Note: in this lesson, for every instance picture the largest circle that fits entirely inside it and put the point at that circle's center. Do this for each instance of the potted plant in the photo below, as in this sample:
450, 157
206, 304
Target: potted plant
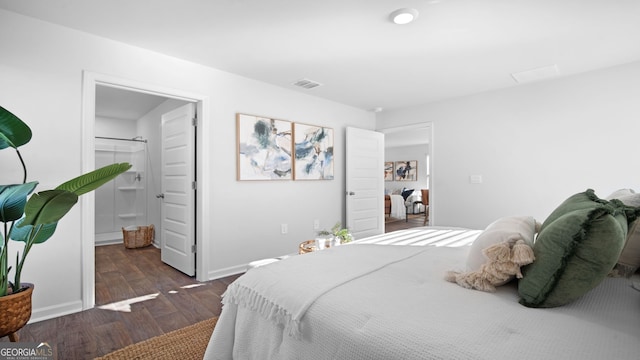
342, 236
32, 220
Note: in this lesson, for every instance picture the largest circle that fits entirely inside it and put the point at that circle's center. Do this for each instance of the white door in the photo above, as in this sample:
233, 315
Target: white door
365, 182
177, 234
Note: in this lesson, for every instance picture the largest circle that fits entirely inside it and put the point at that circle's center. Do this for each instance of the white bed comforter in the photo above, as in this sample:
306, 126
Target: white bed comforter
405, 310
284, 291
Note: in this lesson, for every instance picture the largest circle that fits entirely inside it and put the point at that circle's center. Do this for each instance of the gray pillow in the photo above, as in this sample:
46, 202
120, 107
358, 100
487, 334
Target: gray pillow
629, 261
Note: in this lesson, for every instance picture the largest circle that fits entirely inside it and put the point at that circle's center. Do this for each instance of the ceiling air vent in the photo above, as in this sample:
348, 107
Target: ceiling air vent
306, 83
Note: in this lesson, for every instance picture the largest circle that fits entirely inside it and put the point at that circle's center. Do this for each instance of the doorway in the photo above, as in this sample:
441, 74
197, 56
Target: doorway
93, 83
410, 143
126, 124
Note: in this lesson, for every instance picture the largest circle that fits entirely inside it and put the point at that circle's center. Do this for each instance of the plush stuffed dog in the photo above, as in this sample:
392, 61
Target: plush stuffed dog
504, 262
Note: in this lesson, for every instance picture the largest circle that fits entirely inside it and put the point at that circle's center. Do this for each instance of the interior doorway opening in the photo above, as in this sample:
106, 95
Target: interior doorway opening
409, 143
127, 123
128, 129
93, 84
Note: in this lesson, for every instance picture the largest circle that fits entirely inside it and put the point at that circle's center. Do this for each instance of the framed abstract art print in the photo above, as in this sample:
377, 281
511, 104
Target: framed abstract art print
388, 171
264, 148
313, 149
406, 170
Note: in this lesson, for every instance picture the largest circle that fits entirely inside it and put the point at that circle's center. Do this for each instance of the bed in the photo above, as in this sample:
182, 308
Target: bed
384, 297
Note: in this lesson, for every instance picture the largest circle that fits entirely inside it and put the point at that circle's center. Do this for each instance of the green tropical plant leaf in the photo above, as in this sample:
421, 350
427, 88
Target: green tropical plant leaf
13, 199
48, 207
13, 131
21, 232
94, 179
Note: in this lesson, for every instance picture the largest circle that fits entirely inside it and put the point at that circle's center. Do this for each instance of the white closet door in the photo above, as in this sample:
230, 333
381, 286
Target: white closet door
178, 178
365, 182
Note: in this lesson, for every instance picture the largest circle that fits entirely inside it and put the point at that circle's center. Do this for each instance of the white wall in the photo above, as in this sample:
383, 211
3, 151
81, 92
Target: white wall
413, 152
41, 70
112, 127
534, 145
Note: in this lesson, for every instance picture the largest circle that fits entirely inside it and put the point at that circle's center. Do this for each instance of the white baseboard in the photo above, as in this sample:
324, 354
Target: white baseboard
108, 238
51, 312
238, 269
233, 270
109, 242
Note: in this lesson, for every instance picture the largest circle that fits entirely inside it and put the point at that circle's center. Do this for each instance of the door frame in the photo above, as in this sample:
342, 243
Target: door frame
87, 202
430, 147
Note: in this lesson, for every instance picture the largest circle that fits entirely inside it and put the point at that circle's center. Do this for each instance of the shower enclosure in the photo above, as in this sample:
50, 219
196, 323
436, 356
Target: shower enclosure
122, 202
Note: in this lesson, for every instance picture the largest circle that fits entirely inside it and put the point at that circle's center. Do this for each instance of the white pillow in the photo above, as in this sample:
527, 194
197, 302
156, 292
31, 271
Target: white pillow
629, 261
620, 193
504, 229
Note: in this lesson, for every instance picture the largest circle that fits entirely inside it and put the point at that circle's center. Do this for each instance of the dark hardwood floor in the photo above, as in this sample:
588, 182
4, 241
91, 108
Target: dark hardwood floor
392, 224
137, 297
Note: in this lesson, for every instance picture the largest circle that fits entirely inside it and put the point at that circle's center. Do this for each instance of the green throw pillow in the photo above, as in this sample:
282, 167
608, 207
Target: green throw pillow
577, 246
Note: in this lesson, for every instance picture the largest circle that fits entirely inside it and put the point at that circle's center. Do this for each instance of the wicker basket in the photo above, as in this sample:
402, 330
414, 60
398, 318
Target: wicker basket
307, 247
16, 312
139, 236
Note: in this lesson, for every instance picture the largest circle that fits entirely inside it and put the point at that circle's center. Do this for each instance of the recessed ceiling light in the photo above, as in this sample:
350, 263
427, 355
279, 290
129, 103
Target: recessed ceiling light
403, 16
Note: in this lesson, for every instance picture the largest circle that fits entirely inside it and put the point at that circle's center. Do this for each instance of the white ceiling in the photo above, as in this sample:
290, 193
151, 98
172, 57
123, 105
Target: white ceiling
122, 104
454, 48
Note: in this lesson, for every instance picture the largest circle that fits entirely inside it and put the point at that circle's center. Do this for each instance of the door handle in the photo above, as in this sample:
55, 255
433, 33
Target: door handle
350, 193
160, 196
